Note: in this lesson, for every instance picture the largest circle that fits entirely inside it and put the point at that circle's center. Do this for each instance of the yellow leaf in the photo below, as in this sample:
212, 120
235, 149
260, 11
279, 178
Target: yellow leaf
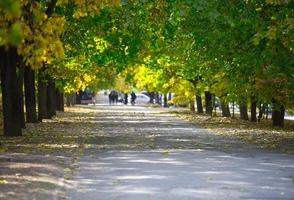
3, 181
166, 152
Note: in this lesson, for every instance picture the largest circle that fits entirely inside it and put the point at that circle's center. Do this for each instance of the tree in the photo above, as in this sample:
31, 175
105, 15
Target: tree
30, 31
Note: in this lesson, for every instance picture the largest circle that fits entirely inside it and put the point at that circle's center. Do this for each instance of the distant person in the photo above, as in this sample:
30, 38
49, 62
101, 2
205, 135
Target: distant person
115, 97
133, 98
126, 98
110, 97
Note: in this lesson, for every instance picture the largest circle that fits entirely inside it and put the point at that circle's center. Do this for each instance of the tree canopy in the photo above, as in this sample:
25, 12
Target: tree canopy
236, 50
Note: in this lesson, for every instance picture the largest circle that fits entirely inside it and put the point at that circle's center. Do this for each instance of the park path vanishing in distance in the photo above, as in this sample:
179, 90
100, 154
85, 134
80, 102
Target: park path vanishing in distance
138, 153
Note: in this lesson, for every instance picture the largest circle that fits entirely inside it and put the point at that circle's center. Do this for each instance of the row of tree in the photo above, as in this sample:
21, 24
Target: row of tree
31, 45
239, 51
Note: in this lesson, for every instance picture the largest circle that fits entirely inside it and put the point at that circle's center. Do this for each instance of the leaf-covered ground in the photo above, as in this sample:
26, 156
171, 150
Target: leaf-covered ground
137, 152
63, 134
262, 134
40, 164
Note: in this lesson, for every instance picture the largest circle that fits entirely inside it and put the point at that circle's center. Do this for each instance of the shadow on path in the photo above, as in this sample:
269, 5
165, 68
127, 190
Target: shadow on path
142, 153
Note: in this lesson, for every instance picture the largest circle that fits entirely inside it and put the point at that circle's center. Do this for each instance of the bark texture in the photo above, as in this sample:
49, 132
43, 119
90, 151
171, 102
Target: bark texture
30, 95
208, 102
10, 93
199, 104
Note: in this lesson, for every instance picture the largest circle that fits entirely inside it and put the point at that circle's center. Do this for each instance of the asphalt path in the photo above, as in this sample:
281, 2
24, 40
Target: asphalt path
140, 153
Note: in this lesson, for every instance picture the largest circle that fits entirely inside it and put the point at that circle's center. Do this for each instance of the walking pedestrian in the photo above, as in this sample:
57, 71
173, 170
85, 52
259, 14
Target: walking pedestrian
126, 98
133, 98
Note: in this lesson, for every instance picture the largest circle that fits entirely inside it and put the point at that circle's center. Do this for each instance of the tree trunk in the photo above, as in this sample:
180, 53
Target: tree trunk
243, 110
42, 96
278, 114
20, 107
30, 95
253, 109
67, 97
208, 102
10, 97
51, 98
199, 104
70, 99
225, 109
165, 100
157, 101
59, 100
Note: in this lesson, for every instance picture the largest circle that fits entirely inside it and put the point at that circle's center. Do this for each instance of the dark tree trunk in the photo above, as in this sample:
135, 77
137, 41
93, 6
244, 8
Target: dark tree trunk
157, 101
165, 100
70, 99
243, 111
10, 93
208, 102
199, 104
59, 101
30, 95
253, 109
20, 107
261, 111
225, 109
42, 96
278, 114
51, 98
67, 96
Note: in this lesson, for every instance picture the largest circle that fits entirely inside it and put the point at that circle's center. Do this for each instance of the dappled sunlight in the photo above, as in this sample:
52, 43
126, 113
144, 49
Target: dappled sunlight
27, 165
256, 170
115, 154
138, 190
165, 174
276, 165
261, 134
233, 183
32, 176
179, 140
213, 173
40, 179
139, 177
193, 192
167, 70
132, 190
158, 162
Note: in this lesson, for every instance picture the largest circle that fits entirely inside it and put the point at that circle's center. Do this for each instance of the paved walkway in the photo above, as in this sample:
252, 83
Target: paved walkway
138, 153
